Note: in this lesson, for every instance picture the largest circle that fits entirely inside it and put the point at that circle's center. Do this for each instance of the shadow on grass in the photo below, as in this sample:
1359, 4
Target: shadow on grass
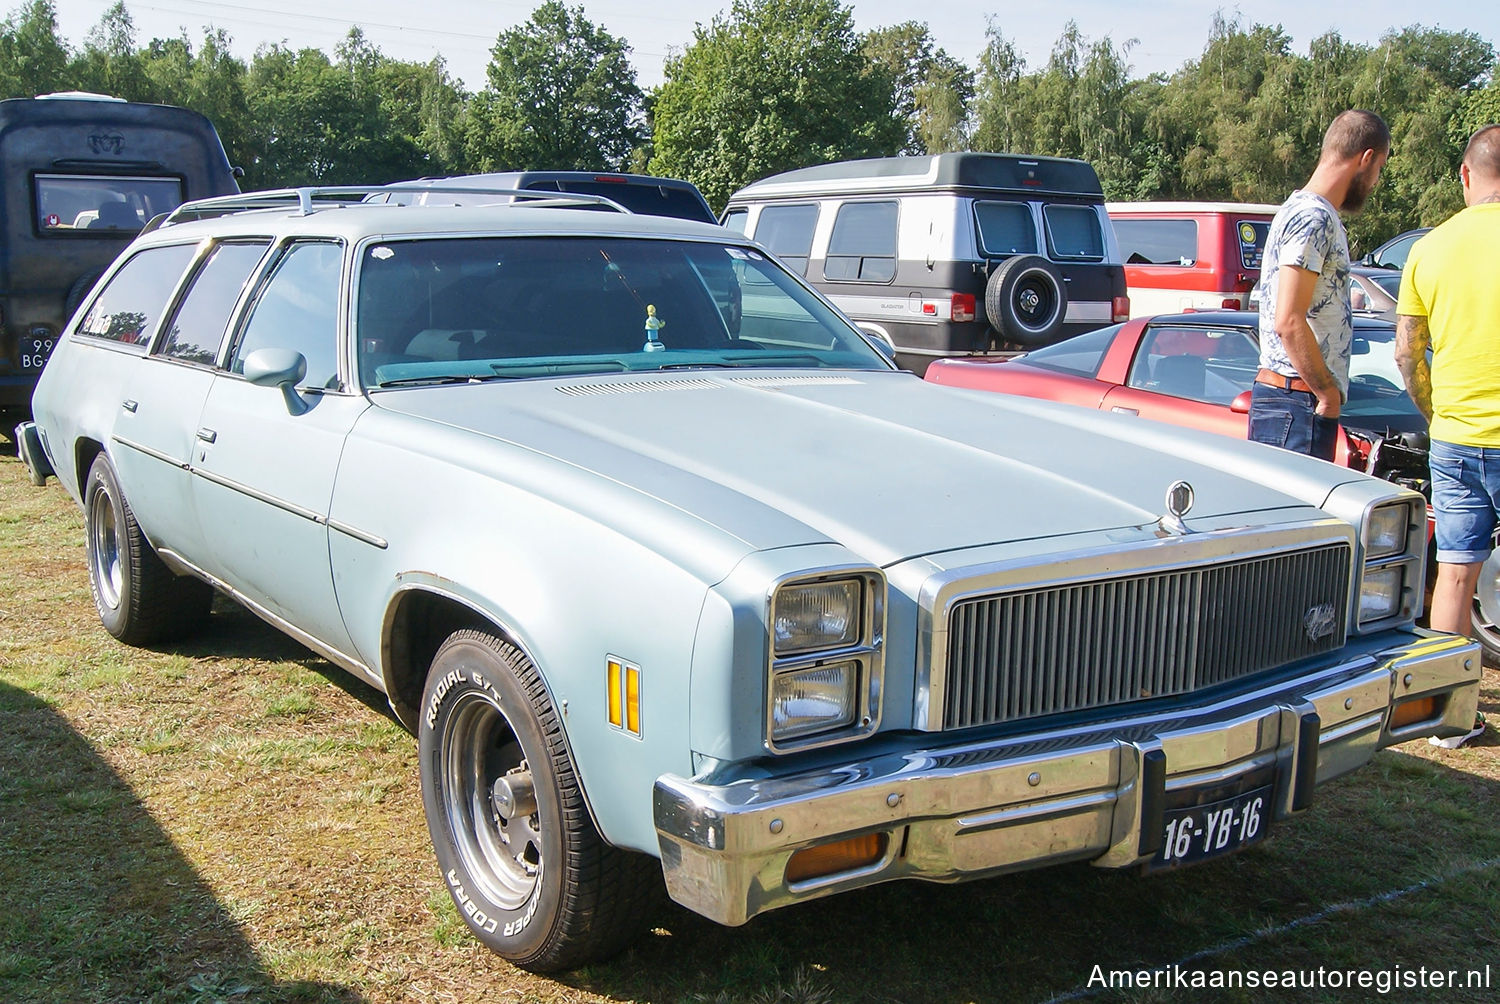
96, 903
1396, 865
233, 632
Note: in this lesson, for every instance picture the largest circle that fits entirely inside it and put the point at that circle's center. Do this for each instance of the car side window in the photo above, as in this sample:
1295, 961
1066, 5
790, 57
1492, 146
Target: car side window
1158, 242
1197, 362
196, 330
129, 307
737, 220
787, 232
297, 309
1074, 232
862, 247
1005, 228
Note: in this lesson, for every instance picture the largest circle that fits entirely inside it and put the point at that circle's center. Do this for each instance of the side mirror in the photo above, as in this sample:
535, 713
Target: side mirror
1241, 403
1359, 347
281, 368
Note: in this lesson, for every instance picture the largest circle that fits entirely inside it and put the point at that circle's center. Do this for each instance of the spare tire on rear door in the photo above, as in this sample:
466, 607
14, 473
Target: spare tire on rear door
1026, 301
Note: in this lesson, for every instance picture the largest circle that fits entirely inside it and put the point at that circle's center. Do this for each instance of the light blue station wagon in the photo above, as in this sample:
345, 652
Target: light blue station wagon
674, 574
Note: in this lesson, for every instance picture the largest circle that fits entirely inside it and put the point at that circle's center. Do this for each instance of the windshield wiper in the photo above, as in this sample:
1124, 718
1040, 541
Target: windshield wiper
443, 379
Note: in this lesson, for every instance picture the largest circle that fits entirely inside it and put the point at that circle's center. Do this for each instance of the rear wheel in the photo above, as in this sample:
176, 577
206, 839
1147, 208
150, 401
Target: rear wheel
532, 877
138, 597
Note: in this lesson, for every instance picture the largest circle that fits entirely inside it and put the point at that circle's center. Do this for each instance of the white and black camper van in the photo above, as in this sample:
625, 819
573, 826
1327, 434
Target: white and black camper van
954, 254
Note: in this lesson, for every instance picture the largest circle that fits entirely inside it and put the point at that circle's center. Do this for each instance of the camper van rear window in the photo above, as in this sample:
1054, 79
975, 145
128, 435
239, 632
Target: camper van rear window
95, 204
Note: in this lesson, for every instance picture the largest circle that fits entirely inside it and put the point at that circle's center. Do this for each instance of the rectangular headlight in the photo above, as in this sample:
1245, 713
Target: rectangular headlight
805, 701
1385, 533
810, 616
1380, 593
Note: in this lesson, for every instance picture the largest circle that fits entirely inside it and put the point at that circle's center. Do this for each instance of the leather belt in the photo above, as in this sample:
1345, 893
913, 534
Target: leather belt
1273, 379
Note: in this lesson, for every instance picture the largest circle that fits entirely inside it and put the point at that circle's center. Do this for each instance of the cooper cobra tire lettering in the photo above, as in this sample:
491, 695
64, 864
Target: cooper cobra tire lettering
467, 905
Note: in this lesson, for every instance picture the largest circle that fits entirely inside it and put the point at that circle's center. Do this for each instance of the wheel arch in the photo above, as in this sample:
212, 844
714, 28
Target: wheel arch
420, 617
85, 452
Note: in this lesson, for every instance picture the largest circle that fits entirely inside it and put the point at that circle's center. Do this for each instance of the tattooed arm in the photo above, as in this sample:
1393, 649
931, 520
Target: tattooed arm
1412, 339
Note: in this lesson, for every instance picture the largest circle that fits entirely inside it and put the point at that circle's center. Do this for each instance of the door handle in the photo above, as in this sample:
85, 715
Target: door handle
129, 405
207, 435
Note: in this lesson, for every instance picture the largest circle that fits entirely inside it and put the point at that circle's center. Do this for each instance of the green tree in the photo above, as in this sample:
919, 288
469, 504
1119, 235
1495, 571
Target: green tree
562, 95
110, 63
774, 85
1002, 101
33, 60
211, 82
320, 122
932, 89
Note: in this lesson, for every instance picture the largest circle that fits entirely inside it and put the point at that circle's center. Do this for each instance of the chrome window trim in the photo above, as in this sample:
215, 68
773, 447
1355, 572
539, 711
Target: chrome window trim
868, 652
943, 590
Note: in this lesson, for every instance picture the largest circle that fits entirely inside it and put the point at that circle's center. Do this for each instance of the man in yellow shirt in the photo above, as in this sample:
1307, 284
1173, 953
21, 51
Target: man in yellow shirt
1450, 302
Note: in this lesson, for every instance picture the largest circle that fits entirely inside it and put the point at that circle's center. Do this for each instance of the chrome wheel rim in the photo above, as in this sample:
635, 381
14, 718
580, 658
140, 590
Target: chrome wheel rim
499, 843
104, 549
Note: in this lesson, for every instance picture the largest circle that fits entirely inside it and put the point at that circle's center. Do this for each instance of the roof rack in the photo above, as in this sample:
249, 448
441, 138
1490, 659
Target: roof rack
308, 200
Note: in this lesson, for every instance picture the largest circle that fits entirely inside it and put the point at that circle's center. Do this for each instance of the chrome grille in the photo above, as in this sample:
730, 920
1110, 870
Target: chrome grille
1103, 642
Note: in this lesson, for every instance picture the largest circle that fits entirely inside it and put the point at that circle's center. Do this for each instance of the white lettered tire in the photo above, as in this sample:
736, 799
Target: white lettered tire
519, 854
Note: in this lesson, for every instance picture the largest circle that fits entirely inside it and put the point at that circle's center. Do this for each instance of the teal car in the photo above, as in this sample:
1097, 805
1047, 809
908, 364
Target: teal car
676, 578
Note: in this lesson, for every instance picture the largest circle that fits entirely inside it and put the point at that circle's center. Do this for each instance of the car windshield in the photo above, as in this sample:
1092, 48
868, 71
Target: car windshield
1377, 396
1080, 354
433, 310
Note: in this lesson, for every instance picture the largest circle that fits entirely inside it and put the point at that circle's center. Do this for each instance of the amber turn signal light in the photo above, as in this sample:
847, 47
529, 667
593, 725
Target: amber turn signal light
1410, 712
839, 856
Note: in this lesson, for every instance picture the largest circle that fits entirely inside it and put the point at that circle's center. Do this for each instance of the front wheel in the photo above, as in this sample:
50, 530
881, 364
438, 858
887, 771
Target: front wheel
138, 597
532, 877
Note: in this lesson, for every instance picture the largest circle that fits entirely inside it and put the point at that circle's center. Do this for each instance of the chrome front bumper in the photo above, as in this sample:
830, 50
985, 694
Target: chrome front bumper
1097, 792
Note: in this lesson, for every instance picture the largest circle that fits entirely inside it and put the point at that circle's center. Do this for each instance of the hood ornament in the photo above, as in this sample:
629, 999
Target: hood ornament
1180, 498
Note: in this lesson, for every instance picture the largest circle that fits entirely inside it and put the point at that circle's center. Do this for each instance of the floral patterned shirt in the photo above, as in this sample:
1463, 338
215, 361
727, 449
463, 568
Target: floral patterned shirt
1308, 233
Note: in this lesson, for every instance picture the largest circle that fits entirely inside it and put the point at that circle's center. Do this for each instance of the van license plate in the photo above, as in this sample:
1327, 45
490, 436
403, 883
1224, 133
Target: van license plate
1199, 832
34, 352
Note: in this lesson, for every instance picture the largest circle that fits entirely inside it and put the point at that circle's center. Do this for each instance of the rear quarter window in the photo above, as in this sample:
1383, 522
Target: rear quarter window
128, 309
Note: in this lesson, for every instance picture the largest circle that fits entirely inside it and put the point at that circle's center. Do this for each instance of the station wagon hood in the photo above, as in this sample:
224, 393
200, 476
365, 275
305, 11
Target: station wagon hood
883, 463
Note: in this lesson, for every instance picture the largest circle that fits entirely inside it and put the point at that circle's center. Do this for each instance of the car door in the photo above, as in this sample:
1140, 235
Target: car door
265, 467
152, 418
164, 398
1189, 375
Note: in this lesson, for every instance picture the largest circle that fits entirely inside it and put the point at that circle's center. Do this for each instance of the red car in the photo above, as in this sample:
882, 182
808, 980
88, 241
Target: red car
1196, 370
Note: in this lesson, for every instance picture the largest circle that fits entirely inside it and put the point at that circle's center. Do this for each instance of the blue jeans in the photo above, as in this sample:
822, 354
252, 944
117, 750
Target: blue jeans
1465, 500
1285, 418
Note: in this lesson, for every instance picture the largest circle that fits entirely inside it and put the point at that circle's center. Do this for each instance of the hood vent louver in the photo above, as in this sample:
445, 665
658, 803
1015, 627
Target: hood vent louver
635, 387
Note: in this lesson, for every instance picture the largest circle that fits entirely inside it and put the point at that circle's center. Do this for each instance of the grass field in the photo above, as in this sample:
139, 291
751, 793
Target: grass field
236, 820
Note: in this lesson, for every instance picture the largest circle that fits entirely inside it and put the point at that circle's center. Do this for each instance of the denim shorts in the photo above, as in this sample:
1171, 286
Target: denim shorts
1286, 418
1465, 499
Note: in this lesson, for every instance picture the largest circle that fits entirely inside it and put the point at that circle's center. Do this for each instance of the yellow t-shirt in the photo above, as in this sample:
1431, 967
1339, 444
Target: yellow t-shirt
1452, 278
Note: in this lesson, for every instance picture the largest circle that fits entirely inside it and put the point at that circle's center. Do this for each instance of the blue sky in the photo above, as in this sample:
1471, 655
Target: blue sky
1168, 32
